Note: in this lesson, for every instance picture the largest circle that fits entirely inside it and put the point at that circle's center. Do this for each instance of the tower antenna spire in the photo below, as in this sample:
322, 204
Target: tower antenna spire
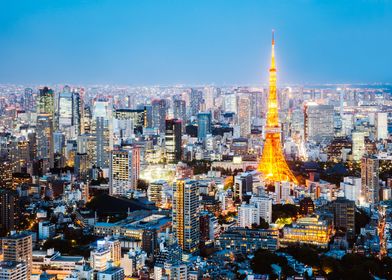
273, 67
273, 164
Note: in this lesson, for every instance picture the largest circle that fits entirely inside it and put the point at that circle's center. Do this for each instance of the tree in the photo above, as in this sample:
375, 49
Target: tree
261, 263
142, 185
306, 254
263, 225
263, 259
284, 211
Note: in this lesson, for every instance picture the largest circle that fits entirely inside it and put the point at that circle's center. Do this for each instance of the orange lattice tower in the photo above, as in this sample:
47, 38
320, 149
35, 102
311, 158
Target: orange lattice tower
273, 165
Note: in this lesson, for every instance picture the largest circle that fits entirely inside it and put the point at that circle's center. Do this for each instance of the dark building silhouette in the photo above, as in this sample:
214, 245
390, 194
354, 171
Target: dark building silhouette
344, 215
306, 206
9, 202
5, 174
149, 241
173, 134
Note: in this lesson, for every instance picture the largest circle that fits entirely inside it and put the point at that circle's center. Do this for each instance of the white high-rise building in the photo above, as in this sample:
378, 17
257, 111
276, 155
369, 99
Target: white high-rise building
347, 123
11, 270
248, 214
382, 125
103, 130
113, 244
65, 109
70, 109
209, 97
264, 206
230, 103
351, 187
46, 230
319, 122
99, 258
297, 121
358, 148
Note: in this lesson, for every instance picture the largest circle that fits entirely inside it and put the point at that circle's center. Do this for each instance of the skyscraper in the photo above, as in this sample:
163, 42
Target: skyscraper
148, 109
32, 139
23, 156
195, 101
382, 125
103, 131
244, 119
179, 110
186, 214
86, 120
45, 143
45, 127
319, 122
209, 97
70, 110
173, 140
46, 102
29, 103
159, 110
273, 165
370, 179
124, 170
58, 142
82, 165
358, 147
204, 125
5, 174
8, 210
65, 108
230, 103
77, 112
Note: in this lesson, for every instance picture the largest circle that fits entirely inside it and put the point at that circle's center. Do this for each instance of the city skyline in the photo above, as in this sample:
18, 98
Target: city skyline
164, 140
168, 43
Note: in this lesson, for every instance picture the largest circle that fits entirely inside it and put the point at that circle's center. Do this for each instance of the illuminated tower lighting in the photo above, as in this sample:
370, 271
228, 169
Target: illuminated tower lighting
273, 165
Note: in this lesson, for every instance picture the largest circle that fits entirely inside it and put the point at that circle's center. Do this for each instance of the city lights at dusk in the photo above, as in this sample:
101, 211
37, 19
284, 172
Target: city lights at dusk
195, 140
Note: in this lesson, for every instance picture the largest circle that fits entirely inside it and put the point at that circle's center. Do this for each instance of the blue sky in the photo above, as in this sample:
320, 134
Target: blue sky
145, 42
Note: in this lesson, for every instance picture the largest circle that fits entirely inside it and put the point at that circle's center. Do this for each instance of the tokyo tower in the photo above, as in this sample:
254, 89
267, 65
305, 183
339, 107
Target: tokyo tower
273, 165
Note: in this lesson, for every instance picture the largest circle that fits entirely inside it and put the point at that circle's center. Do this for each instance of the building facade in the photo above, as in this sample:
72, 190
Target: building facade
186, 214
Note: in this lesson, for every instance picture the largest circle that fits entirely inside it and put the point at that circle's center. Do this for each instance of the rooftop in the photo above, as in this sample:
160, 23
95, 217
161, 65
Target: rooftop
111, 270
9, 264
68, 258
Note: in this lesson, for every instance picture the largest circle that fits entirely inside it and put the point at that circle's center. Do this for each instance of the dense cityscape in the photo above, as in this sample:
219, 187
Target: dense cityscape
195, 140
207, 182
